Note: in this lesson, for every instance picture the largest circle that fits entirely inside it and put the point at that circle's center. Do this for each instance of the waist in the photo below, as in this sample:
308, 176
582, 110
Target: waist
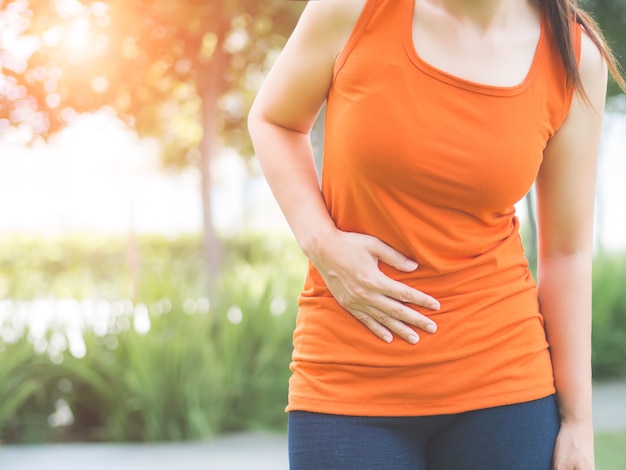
488, 350
467, 323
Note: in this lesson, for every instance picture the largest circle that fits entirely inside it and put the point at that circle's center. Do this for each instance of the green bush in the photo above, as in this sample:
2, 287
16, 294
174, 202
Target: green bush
206, 365
77, 267
19, 369
197, 372
609, 317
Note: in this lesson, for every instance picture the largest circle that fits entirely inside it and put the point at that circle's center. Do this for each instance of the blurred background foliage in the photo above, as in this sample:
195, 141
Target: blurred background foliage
168, 364
611, 17
136, 347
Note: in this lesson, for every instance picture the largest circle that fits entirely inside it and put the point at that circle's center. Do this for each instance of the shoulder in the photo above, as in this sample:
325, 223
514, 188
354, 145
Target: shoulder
331, 19
334, 11
298, 82
593, 68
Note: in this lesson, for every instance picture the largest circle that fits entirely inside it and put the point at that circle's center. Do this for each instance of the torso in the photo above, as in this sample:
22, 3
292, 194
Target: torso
431, 162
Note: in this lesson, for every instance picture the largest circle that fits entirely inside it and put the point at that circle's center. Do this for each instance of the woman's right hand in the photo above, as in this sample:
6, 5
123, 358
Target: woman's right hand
349, 264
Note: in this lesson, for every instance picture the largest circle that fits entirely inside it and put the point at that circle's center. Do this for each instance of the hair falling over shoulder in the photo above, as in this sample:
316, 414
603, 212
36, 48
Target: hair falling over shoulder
560, 14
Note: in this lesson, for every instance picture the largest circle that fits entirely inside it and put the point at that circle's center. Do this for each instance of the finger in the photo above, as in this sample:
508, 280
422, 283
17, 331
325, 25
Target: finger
407, 294
392, 257
382, 325
374, 326
404, 315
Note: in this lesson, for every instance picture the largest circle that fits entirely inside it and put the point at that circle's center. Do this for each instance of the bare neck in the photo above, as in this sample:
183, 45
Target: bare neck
485, 14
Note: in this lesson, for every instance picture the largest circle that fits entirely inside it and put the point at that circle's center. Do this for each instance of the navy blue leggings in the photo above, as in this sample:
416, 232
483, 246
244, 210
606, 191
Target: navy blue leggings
512, 437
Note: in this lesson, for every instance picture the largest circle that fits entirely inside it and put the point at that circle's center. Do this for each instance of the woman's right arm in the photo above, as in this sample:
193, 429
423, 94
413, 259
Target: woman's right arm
280, 122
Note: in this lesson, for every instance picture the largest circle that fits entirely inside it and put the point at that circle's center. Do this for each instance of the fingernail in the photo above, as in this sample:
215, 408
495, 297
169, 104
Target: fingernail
413, 339
387, 338
431, 328
435, 306
410, 264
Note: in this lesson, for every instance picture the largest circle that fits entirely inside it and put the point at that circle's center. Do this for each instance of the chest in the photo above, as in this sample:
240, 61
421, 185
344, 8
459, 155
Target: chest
416, 136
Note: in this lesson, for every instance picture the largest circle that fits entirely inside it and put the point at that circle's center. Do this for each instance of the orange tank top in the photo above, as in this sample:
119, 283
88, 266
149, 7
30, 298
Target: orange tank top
432, 165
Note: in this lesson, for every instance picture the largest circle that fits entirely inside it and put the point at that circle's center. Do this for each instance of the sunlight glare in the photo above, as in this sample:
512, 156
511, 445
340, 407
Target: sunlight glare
67, 8
76, 38
100, 84
15, 46
99, 8
52, 36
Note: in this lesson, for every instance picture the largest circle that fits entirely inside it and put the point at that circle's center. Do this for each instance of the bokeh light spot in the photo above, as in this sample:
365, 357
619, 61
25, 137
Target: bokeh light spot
235, 315
53, 100
100, 84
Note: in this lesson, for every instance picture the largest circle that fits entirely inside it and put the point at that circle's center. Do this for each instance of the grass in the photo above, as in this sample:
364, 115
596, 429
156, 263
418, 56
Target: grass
611, 451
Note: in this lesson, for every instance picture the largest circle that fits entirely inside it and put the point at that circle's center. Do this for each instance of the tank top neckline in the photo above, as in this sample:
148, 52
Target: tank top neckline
459, 82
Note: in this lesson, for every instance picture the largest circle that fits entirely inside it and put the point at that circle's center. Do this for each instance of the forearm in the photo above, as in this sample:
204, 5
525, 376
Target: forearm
286, 157
565, 301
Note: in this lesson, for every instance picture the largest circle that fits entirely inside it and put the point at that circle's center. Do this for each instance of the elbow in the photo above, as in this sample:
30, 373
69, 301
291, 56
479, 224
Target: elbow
567, 255
258, 128
566, 246
253, 121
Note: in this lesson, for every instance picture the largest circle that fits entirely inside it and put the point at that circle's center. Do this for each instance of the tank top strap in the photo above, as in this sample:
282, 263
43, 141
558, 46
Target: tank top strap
554, 76
382, 17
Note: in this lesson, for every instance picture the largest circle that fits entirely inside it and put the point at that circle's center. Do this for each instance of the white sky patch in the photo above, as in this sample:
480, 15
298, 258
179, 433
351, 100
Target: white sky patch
98, 176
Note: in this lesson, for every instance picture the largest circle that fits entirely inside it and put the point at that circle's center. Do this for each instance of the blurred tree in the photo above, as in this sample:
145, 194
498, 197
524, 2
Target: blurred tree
184, 72
611, 16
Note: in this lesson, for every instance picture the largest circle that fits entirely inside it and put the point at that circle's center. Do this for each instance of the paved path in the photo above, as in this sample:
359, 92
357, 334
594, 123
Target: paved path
237, 452
251, 451
609, 407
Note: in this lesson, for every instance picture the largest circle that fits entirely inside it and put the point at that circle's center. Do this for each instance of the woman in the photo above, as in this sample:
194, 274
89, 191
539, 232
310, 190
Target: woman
441, 114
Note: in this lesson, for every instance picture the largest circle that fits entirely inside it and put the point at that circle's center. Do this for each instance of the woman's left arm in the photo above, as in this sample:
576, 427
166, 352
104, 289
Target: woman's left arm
565, 202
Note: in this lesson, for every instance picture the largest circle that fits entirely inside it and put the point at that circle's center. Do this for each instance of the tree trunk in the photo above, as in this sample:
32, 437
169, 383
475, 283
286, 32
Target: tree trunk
211, 86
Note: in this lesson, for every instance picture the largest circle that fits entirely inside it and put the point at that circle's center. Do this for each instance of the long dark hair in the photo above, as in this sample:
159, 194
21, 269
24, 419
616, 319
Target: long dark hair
560, 14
